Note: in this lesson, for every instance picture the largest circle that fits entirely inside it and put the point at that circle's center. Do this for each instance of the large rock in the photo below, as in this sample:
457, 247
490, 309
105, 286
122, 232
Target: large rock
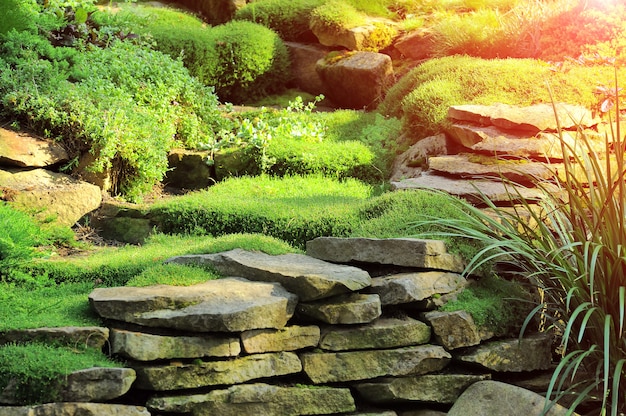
53, 194
91, 336
147, 347
512, 355
382, 333
493, 398
409, 252
189, 169
305, 276
260, 399
353, 308
410, 287
454, 329
358, 80
304, 59
429, 388
177, 376
75, 409
416, 158
374, 35
289, 338
230, 305
20, 149
328, 367
416, 44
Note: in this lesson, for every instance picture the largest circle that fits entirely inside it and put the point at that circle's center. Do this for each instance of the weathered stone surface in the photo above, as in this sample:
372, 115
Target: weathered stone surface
353, 308
359, 38
230, 305
304, 59
188, 169
91, 336
430, 388
411, 252
75, 409
416, 158
361, 365
260, 399
357, 80
305, 276
187, 376
147, 347
416, 44
454, 329
531, 353
382, 333
485, 398
289, 338
423, 412
415, 286
98, 384
51, 193
22, 149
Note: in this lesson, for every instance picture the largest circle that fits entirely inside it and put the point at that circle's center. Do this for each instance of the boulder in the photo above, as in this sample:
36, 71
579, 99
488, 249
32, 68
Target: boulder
188, 169
21, 149
429, 388
374, 35
486, 398
148, 347
382, 333
224, 305
410, 287
177, 376
408, 252
305, 276
260, 399
326, 367
416, 158
356, 80
353, 308
90, 336
416, 44
453, 329
53, 194
289, 338
304, 59
75, 409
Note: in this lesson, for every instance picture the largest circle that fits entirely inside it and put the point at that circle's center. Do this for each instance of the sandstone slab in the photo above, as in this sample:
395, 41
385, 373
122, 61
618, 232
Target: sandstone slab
177, 376
75, 409
307, 277
260, 399
382, 333
454, 329
410, 287
410, 252
361, 365
148, 347
416, 158
353, 308
90, 336
304, 59
20, 149
289, 338
223, 305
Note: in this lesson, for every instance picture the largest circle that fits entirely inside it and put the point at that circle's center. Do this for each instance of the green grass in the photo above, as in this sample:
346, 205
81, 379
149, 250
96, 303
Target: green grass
172, 274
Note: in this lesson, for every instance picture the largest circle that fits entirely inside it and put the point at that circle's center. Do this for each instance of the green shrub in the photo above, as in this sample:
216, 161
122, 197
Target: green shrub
337, 16
18, 14
171, 274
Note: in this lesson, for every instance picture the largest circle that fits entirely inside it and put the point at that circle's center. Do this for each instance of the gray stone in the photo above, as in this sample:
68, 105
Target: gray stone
416, 286
147, 347
90, 336
75, 409
260, 399
98, 384
223, 305
305, 276
177, 376
454, 329
289, 338
429, 388
382, 333
21, 149
528, 354
423, 412
493, 398
362, 365
353, 308
416, 158
411, 252
50, 193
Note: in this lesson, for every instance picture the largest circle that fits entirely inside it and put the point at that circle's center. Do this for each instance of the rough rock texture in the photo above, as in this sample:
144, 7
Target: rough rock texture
416, 45
178, 376
361, 365
409, 287
98, 384
531, 353
260, 399
304, 59
75, 409
305, 276
411, 252
25, 150
289, 338
485, 398
91, 336
416, 158
354, 308
51, 193
231, 304
188, 169
429, 388
382, 333
147, 347
453, 329
359, 38
357, 80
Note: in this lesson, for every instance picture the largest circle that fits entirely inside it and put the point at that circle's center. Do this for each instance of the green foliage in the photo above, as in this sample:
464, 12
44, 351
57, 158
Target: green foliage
18, 15
287, 18
171, 274
39, 370
336, 16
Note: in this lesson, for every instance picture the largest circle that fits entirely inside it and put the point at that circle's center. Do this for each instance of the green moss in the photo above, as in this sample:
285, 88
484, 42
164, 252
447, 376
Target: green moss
171, 274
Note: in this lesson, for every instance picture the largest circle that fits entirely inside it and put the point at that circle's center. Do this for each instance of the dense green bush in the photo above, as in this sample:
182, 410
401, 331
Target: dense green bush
18, 15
